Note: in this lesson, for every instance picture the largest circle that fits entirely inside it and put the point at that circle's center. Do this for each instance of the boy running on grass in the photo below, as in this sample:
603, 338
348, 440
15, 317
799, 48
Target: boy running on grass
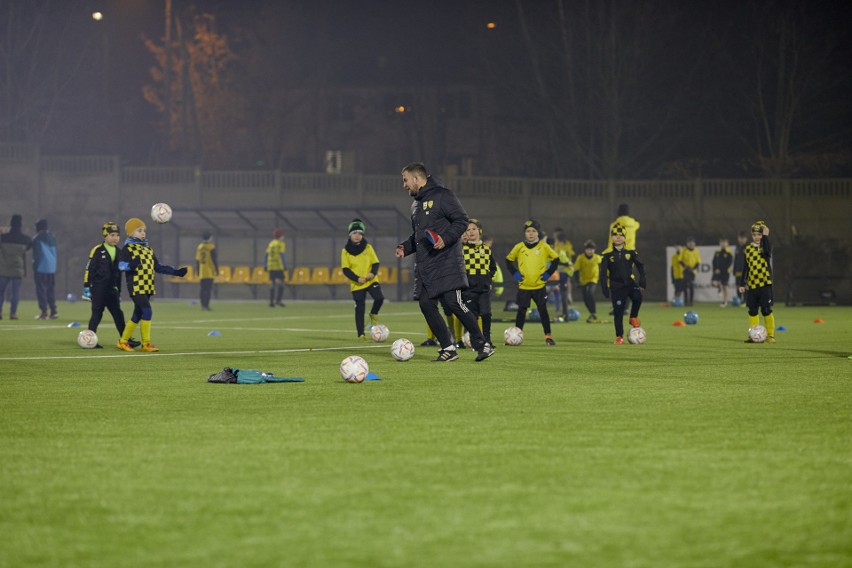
480, 266
588, 269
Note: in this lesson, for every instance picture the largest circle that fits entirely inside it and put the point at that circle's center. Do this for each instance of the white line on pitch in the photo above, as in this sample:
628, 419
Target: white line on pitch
193, 353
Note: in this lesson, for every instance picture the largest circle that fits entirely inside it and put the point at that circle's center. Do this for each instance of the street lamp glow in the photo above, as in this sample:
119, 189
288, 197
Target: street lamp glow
97, 16
490, 25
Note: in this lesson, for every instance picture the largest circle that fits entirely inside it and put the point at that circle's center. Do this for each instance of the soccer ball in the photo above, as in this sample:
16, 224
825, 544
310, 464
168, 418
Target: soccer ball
735, 301
636, 335
161, 213
379, 333
402, 350
690, 318
677, 302
466, 339
354, 369
513, 336
757, 333
87, 339
573, 314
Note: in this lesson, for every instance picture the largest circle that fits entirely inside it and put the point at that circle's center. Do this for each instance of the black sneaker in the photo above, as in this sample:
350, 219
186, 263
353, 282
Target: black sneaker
486, 352
133, 343
429, 343
99, 346
447, 355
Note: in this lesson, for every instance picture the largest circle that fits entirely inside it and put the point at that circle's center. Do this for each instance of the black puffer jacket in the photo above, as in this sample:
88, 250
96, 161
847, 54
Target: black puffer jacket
102, 274
437, 209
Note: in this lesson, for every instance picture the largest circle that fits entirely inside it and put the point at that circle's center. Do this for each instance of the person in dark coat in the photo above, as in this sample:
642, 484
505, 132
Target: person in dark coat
438, 221
13, 267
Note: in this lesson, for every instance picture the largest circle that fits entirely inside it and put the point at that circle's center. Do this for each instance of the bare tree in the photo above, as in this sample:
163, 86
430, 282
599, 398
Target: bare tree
46, 55
202, 101
604, 83
787, 82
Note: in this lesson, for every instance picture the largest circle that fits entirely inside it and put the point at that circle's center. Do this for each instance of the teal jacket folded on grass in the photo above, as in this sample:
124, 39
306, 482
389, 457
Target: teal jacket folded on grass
248, 377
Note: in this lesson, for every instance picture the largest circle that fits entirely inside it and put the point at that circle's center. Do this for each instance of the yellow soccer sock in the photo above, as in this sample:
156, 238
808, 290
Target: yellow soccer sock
430, 334
770, 325
145, 326
458, 328
129, 328
753, 321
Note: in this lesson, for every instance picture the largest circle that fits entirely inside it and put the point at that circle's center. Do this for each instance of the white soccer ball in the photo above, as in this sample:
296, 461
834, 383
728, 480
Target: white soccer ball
87, 339
757, 333
513, 336
379, 333
636, 335
161, 213
466, 340
354, 369
402, 349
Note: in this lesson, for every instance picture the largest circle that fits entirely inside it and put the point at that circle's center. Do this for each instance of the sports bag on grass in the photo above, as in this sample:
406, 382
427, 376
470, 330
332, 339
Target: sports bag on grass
248, 377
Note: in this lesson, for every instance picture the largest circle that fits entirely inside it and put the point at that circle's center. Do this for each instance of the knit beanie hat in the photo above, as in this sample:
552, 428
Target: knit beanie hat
278, 233
16, 222
41, 225
589, 244
534, 224
133, 224
757, 227
109, 227
618, 229
357, 225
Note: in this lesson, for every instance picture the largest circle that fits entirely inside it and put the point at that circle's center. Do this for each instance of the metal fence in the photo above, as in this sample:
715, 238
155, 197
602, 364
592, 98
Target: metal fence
494, 187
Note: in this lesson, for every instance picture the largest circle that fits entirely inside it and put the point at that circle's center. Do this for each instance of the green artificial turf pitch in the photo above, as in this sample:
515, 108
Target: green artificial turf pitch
694, 449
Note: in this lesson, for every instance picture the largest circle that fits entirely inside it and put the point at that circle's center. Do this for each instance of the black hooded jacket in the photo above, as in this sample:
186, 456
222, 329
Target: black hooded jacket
436, 272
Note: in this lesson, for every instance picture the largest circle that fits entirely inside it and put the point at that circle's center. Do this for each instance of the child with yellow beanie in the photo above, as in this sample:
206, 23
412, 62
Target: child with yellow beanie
139, 263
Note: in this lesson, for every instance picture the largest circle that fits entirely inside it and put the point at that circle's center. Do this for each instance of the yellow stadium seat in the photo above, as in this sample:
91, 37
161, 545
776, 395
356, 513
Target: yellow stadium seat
224, 276
392, 276
259, 275
190, 276
299, 275
241, 275
320, 275
337, 276
383, 274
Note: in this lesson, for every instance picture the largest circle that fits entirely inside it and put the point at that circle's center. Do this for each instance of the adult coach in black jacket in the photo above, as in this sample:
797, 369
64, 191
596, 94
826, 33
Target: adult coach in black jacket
438, 221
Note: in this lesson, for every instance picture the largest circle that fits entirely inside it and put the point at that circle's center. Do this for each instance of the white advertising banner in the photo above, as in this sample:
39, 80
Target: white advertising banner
704, 292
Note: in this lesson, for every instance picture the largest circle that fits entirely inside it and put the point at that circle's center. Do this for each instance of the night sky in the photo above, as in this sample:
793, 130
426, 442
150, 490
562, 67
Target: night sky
693, 52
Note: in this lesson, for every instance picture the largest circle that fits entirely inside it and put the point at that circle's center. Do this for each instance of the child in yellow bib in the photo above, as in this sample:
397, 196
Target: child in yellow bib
532, 262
